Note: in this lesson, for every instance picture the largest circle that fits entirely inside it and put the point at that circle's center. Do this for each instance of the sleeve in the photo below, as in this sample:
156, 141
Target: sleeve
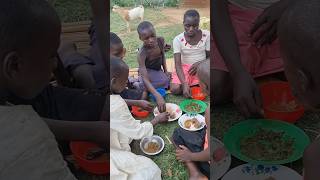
122, 121
176, 45
208, 41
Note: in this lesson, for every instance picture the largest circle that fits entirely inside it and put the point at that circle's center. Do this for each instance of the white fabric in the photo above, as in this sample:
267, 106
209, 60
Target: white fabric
191, 54
28, 149
124, 165
257, 4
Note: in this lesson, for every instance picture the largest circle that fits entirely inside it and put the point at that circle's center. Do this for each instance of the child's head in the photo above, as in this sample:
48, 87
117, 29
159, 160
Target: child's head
191, 20
147, 34
116, 46
30, 36
299, 35
203, 73
119, 72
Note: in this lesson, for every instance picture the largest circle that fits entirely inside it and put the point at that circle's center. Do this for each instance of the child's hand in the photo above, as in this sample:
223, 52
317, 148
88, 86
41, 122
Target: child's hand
193, 69
163, 117
145, 105
161, 104
186, 90
183, 154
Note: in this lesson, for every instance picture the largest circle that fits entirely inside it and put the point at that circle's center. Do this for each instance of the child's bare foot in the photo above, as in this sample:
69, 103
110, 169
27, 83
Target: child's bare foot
198, 176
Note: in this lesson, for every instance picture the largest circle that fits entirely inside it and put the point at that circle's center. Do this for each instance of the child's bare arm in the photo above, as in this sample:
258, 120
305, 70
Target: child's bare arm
184, 154
164, 62
140, 103
143, 71
180, 74
201, 156
94, 131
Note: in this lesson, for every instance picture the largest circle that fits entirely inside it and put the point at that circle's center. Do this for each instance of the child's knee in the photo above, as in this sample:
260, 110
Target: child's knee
221, 89
175, 89
311, 154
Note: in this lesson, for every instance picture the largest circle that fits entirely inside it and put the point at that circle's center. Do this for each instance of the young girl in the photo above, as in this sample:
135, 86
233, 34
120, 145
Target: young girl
152, 62
124, 128
193, 147
244, 50
190, 48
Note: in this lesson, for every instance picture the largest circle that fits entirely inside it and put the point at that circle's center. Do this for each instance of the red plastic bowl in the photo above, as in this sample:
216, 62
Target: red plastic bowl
279, 92
138, 112
80, 150
197, 93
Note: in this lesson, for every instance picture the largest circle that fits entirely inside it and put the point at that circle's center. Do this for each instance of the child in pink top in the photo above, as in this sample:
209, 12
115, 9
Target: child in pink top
193, 147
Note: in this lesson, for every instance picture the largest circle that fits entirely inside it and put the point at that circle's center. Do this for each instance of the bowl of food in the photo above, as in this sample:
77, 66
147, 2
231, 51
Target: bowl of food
152, 145
192, 122
161, 91
266, 141
197, 93
90, 157
173, 109
192, 106
279, 102
139, 112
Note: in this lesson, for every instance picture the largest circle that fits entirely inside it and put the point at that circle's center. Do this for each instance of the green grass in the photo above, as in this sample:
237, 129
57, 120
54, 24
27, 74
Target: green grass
73, 10
166, 160
131, 40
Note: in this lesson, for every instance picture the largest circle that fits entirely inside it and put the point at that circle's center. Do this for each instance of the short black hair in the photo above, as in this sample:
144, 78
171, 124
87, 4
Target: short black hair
299, 29
114, 39
191, 13
117, 67
144, 25
21, 21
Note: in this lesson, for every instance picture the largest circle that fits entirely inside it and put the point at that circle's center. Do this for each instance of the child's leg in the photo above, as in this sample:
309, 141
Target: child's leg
176, 89
222, 89
194, 173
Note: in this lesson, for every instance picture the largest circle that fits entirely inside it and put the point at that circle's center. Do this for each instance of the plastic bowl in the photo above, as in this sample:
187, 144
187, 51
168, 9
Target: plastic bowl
197, 93
139, 112
80, 150
279, 92
161, 91
154, 138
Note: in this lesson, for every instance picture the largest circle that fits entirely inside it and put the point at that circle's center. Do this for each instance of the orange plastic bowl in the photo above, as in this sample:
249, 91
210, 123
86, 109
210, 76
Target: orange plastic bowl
197, 93
80, 150
279, 92
138, 112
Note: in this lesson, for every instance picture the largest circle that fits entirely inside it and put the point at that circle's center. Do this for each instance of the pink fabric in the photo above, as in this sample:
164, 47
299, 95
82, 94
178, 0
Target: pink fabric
258, 61
191, 80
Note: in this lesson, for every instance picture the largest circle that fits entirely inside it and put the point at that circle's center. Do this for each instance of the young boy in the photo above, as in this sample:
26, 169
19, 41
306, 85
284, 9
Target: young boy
298, 33
190, 49
193, 147
245, 51
124, 128
152, 62
28, 148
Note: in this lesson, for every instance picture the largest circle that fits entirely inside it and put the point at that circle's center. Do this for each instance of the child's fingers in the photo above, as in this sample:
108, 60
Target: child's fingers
183, 147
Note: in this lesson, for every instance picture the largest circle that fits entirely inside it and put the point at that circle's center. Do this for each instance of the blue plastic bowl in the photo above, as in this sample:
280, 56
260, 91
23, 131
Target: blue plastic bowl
161, 91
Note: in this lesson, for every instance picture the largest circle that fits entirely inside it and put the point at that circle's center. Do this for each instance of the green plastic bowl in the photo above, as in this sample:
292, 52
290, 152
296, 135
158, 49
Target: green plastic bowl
246, 128
185, 102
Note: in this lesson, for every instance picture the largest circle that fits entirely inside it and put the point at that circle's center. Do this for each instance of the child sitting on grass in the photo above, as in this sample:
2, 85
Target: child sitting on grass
152, 63
298, 33
132, 96
193, 147
28, 49
190, 48
124, 128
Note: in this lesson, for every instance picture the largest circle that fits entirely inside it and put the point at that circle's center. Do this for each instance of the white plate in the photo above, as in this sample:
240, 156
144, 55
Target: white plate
171, 106
218, 169
185, 117
262, 172
146, 140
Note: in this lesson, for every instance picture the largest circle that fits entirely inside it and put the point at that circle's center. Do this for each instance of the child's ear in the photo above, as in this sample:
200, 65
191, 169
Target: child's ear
11, 65
124, 51
112, 82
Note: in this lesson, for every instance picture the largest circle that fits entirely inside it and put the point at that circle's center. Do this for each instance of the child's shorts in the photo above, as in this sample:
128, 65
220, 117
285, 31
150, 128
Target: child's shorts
191, 80
194, 141
158, 79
